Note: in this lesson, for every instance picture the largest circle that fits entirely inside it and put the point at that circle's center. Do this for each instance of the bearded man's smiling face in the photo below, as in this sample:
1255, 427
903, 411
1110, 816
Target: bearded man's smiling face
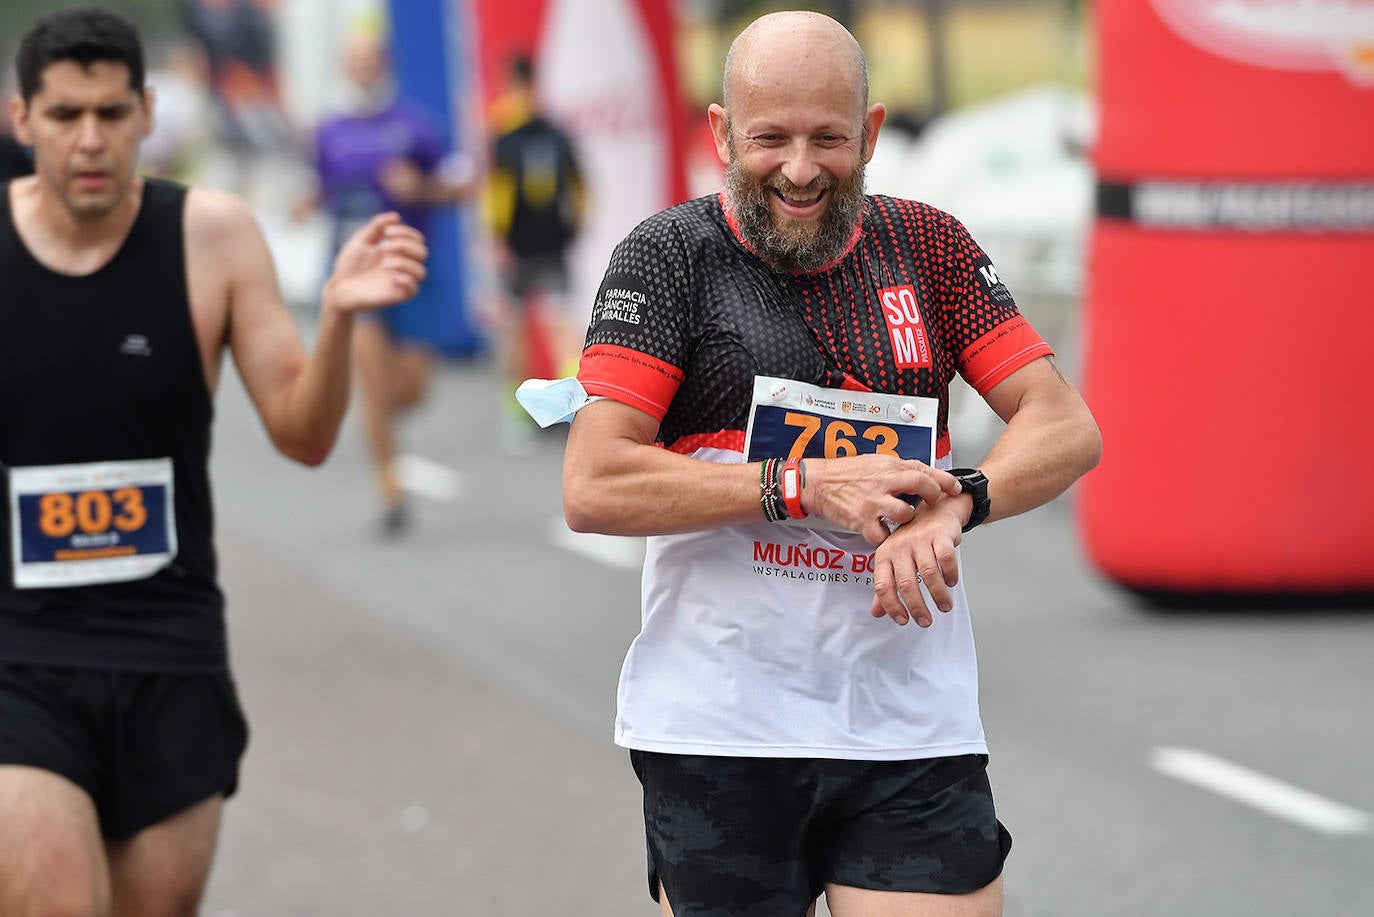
795, 136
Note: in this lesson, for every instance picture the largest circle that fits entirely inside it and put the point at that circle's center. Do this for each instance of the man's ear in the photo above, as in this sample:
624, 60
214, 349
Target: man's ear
873, 122
720, 131
149, 97
19, 119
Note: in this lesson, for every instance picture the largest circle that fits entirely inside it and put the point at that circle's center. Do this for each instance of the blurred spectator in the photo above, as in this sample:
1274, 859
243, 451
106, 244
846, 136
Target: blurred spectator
256, 150
535, 203
381, 153
240, 53
182, 104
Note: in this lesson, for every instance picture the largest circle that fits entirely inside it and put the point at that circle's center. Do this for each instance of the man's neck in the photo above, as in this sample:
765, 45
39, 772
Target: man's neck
67, 242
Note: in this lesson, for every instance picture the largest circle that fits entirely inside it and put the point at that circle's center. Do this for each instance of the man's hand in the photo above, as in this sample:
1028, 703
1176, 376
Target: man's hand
403, 181
380, 265
921, 551
863, 493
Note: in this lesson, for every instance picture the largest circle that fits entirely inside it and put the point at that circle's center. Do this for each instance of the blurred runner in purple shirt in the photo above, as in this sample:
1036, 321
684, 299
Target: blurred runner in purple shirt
385, 154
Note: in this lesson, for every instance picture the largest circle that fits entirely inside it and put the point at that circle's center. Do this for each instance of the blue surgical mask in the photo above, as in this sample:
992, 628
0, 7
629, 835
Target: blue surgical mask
551, 401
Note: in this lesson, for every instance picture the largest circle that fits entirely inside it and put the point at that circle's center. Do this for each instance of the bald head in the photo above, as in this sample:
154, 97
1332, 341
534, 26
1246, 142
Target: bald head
781, 44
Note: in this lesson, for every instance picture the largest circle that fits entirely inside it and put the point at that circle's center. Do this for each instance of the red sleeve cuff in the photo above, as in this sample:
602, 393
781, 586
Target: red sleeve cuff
1001, 352
630, 377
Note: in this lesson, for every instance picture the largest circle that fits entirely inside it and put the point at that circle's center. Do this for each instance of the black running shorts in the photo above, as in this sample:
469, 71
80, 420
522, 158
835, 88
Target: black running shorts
143, 746
764, 835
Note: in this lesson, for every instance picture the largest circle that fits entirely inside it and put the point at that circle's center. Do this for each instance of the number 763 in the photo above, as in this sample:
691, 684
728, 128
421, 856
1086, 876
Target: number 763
839, 437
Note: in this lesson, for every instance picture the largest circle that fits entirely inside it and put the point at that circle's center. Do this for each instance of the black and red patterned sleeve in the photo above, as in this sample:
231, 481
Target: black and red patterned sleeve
990, 336
637, 340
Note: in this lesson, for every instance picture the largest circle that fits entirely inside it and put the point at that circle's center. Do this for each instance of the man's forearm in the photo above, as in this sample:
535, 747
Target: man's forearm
1042, 451
319, 395
632, 489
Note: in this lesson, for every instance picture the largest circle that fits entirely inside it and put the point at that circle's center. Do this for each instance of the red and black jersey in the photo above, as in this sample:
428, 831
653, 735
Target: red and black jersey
687, 315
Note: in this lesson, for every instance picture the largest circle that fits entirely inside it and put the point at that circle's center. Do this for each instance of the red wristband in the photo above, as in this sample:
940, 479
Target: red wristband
792, 478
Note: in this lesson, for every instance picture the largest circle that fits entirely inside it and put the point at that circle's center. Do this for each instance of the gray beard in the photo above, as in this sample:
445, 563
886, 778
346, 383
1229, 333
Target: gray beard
795, 247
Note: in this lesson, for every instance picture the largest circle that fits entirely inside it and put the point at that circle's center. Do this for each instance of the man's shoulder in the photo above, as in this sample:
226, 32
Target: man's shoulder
883, 206
333, 124
215, 205
536, 130
692, 219
215, 218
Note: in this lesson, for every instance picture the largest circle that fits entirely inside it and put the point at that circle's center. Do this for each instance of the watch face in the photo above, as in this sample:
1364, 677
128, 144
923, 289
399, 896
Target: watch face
970, 476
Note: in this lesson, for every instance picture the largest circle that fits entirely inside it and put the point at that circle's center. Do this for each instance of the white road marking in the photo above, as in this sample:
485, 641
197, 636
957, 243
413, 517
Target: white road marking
611, 550
1260, 791
429, 479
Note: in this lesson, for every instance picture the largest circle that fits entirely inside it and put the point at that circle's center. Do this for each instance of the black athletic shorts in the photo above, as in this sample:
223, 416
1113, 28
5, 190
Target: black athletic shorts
763, 835
144, 746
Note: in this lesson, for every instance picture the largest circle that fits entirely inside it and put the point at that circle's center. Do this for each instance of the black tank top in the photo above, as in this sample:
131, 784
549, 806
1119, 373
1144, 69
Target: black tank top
105, 367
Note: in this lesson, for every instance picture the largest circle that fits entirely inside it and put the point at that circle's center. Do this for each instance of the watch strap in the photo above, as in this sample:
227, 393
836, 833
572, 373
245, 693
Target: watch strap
975, 484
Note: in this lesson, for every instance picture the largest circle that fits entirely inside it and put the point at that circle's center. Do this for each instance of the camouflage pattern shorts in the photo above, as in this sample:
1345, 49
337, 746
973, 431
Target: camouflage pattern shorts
764, 835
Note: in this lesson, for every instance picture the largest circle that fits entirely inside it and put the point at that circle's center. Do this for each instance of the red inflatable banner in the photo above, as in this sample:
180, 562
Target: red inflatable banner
1229, 328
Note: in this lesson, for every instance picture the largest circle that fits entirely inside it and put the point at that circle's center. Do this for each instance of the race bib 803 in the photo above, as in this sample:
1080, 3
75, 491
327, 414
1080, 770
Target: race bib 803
99, 522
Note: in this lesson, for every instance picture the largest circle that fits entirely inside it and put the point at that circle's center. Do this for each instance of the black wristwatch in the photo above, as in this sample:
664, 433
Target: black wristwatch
975, 484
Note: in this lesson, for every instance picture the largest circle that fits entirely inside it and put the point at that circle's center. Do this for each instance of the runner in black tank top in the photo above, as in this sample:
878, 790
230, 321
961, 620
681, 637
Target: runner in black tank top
118, 717
104, 368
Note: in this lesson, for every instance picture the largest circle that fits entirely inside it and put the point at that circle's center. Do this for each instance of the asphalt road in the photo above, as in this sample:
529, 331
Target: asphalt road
432, 715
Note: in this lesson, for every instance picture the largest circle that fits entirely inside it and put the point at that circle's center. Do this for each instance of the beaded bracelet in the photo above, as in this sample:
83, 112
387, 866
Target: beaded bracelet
774, 508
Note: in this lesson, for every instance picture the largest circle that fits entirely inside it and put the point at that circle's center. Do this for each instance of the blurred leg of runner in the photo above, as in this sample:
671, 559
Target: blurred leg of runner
392, 377
523, 352
567, 326
163, 869
49, 820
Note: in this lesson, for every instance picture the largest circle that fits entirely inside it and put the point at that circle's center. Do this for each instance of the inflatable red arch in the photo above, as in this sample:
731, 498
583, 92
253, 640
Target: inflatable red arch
1229, 336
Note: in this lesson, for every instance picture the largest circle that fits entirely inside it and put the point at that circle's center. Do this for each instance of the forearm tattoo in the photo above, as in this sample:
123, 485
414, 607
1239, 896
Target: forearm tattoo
1057, 371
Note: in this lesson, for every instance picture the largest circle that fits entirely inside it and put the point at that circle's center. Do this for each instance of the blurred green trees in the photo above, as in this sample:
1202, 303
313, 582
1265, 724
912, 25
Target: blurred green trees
154, 17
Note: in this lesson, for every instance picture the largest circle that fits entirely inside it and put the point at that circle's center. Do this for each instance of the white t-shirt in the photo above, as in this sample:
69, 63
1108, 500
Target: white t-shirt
756, 640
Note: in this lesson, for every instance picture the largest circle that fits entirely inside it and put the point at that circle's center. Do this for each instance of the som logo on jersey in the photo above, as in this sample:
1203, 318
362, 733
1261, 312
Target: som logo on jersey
910, 345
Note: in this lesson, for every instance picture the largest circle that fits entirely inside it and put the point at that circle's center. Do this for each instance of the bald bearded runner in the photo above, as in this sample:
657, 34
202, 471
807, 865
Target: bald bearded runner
770, 371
